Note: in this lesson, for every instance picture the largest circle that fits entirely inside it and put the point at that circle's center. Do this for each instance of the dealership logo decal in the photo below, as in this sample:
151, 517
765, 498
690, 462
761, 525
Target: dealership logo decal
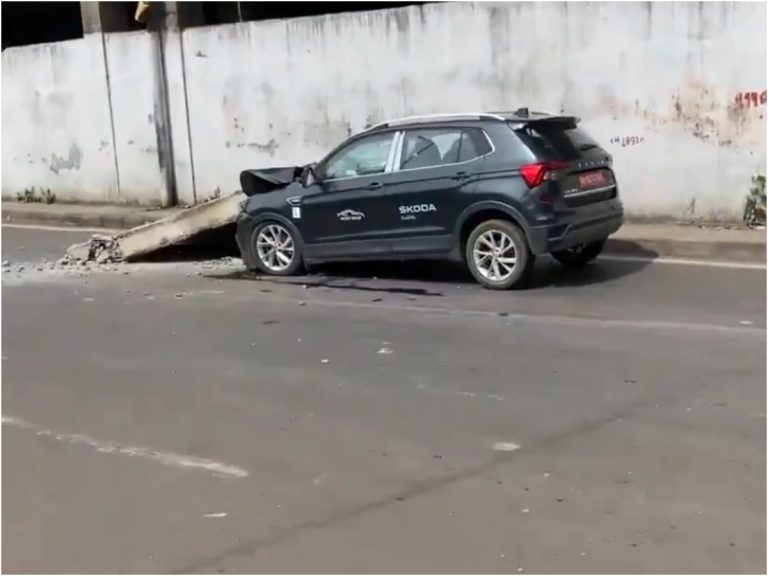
350, 216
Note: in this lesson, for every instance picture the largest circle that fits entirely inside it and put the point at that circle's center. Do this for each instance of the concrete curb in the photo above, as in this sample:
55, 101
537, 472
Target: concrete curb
725, 251
73, 216
640, 240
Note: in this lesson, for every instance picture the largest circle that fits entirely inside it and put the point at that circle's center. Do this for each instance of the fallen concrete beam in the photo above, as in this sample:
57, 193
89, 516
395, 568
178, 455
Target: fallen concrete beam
152, 236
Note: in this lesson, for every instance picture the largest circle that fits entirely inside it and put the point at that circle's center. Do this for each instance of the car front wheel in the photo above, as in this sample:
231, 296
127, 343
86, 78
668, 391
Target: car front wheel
275, 249
580, 255
498, 255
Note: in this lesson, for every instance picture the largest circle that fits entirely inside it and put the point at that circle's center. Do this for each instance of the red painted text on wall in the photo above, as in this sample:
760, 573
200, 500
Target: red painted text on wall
750, 99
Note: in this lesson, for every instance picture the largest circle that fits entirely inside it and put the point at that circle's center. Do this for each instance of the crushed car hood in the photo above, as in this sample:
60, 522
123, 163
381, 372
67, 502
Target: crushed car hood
268, 179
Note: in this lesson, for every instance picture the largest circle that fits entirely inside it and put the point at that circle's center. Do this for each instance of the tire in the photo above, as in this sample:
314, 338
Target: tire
285, 260
580, 255
499, 248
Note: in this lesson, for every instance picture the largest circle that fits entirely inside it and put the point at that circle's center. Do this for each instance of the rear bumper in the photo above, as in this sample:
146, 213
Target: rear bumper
585, 225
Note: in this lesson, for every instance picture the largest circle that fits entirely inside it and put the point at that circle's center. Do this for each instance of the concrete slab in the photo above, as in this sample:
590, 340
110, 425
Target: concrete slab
178, 227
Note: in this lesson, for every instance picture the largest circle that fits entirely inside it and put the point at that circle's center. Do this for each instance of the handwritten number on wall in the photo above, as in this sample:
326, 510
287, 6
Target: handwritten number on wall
627, 140
750, 99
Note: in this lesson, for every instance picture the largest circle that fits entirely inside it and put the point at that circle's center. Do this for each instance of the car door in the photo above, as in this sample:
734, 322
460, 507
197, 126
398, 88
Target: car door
433, 176
343, 217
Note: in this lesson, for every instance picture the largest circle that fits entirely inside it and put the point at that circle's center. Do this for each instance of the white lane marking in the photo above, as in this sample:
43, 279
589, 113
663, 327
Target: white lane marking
166, 458
685, 262
216, 515
59, 228
506, 446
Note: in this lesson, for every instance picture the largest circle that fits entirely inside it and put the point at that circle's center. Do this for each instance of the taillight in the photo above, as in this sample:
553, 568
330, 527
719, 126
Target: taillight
535, 174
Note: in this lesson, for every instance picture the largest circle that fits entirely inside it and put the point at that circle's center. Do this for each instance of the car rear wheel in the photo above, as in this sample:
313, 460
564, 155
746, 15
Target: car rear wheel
498, 255
275, 249
580, 255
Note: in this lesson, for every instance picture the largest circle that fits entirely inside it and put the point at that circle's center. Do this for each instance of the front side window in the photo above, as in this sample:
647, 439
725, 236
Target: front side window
363, 157
439, 147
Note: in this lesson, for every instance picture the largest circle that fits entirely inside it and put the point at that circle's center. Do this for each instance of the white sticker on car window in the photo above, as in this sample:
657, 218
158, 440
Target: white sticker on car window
296, 212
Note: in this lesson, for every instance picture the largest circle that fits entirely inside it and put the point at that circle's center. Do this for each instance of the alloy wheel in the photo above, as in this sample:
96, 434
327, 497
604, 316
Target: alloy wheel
495, 255
275, 247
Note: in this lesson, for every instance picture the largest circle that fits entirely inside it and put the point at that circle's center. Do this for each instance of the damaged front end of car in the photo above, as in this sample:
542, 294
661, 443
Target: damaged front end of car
262, 181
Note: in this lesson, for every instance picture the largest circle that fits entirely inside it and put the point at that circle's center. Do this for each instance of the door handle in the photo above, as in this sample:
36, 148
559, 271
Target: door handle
374, 186
460, 175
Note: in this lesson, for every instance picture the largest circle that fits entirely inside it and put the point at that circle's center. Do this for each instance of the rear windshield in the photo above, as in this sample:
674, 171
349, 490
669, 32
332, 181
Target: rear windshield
561, 141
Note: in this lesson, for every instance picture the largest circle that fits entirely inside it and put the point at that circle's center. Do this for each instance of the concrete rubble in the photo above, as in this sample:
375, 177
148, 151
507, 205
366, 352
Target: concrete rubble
141, 240
69, 268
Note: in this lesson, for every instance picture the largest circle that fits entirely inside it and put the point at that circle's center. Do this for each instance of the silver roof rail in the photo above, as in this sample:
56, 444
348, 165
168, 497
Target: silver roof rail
436, 118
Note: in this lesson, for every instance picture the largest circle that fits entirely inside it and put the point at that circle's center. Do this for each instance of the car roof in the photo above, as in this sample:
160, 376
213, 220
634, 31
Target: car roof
521, 115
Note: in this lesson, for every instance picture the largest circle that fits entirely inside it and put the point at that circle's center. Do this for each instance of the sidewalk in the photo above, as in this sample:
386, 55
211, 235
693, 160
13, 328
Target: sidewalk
695, 242
107, 216
644, 240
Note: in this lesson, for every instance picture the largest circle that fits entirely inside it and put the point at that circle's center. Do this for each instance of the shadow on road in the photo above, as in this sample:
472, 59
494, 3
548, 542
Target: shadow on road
207, 245
358, 276
553, 275
220, 243
320, 279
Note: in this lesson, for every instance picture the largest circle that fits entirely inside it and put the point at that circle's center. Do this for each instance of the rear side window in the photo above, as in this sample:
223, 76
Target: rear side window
557, 140
439, 147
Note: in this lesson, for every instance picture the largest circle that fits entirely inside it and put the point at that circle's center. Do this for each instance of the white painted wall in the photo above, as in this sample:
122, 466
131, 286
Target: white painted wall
285, 92
130, 59
57, 121
183, 155
55, 117
656, 83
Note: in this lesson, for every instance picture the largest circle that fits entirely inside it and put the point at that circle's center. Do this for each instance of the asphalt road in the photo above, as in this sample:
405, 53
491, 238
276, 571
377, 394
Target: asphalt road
187, 417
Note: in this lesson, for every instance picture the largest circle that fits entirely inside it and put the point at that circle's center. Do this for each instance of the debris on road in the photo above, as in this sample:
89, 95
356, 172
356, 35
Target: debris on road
104, 249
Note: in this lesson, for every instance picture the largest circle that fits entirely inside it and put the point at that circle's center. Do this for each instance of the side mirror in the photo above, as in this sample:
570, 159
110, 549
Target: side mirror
308, 175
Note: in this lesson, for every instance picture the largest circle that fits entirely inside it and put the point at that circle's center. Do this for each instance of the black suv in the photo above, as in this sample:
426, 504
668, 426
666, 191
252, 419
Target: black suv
492, 190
